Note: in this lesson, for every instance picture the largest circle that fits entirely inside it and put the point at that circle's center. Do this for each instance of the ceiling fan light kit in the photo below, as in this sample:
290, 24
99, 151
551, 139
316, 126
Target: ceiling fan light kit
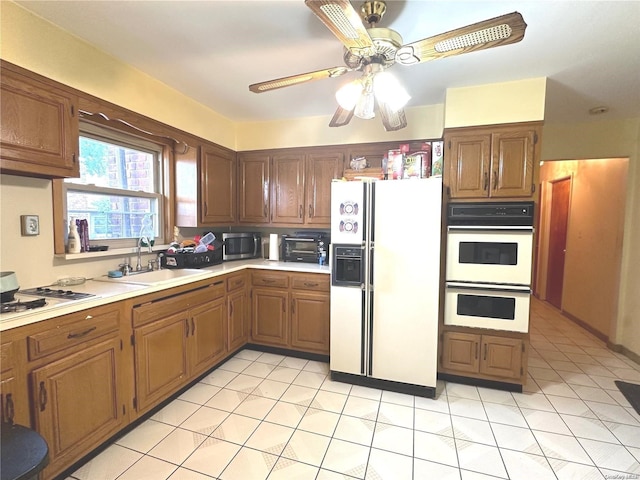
372, 50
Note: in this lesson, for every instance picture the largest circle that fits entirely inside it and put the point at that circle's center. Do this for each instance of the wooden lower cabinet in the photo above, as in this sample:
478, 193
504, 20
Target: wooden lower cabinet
78, 403
176, 339
270, 316
484, 356
291, 310
237, 312
160, 359
309, 325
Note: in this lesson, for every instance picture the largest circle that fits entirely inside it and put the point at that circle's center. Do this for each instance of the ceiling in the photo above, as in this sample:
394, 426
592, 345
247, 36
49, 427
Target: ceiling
213, 50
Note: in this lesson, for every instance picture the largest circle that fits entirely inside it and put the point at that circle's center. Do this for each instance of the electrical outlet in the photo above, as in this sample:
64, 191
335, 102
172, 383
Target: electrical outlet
30, 225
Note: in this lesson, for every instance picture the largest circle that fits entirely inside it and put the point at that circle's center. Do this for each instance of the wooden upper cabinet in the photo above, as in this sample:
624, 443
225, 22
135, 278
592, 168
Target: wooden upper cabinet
218, 187
321, 169
254, 192
492, 162
512, 160
39, 132
288, 189
205, 186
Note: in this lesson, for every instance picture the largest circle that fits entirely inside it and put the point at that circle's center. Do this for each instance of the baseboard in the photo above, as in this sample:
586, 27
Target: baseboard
624, 350
596, 333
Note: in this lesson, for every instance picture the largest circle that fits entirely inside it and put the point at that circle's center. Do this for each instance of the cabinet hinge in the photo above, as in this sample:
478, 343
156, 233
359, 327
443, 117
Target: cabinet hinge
135, 403
133, 340
124, 409
73, 111
533, 188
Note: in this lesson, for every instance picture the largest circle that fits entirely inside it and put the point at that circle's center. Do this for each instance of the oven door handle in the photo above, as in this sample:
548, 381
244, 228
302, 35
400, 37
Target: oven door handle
493, 287
489, 228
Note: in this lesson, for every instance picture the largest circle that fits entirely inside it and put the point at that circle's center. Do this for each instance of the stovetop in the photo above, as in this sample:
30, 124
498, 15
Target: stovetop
57, 293
21, 306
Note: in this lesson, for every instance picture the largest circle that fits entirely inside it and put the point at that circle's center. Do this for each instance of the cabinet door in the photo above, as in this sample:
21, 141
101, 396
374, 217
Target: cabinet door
77, 403
320, 170
501, 356
310, 321
254, 192
460, 352
160, 356
237, 313
208, 332
39, 134
288, 189
270, 316
512, 163
218, 186
468, 159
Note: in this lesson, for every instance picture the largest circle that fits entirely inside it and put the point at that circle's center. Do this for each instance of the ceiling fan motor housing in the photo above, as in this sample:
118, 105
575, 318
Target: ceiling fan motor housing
386, 42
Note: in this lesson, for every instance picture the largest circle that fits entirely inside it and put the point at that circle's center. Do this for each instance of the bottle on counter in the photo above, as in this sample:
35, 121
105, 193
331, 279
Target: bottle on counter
73, 245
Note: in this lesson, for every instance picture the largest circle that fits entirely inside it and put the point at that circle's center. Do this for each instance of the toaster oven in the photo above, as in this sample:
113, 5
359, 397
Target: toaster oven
307, 248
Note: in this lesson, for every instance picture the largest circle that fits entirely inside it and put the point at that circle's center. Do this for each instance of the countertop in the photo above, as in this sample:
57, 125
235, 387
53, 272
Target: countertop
108, 291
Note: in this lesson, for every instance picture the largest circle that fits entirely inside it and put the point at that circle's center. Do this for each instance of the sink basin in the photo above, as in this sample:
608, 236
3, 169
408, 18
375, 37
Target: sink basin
154, 277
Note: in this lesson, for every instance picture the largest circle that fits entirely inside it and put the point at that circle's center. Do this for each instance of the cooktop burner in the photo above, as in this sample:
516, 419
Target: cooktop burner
19, 306
50, 293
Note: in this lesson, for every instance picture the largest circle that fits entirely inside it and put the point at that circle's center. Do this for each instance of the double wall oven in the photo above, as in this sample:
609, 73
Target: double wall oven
488, 266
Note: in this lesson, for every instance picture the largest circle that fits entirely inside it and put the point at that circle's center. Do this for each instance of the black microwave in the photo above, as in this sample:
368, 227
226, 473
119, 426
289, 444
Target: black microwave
310, 248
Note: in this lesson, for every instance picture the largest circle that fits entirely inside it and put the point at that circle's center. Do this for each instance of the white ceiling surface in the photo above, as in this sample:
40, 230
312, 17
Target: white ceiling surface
213, 50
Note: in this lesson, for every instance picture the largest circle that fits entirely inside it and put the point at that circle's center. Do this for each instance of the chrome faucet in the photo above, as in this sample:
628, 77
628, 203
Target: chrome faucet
146, 239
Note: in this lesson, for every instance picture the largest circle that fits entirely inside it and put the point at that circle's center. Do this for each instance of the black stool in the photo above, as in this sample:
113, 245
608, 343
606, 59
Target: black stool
23, 453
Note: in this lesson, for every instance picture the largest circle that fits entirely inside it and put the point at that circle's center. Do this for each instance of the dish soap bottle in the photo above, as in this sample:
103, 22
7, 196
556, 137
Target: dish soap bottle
73, 246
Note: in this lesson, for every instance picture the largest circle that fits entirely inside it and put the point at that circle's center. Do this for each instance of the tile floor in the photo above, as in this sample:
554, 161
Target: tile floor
263, 416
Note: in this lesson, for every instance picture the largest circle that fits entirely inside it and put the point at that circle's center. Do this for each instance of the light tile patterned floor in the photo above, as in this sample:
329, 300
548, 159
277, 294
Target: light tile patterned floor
265, 416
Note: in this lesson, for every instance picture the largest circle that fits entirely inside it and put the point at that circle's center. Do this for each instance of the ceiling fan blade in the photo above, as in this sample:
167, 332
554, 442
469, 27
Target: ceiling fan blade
341, 117
345, 23
392, 120
296, 79
494, 32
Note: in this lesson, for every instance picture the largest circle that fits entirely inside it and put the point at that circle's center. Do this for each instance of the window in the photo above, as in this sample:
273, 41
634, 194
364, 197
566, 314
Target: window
119, 191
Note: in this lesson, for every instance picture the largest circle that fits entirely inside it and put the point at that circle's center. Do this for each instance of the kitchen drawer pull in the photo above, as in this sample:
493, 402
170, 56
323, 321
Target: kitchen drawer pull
238, 282
310, 284
310, 210
82, 334
43, 397
193, 326
219, 282
485, 352
9, 411
476, 350
268, 280
284, 306
265, 210
293, 306
495, 179
186, 324
486, 181
300, 211
231, 309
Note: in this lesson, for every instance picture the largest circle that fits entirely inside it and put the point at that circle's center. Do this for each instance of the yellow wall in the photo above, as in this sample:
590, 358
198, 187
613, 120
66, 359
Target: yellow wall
594, 237
505, 102
609, 139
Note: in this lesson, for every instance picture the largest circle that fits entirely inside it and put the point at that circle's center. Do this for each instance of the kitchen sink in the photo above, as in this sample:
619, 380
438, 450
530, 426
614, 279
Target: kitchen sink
154, 277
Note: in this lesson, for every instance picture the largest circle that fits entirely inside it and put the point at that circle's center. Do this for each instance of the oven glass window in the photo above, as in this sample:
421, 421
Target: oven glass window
488, 253
502, 308
301, 247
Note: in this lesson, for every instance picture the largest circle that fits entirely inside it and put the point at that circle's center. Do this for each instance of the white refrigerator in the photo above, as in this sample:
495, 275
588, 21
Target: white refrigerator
385, 279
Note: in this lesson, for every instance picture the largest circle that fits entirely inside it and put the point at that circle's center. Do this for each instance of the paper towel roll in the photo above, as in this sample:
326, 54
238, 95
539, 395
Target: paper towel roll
274, 250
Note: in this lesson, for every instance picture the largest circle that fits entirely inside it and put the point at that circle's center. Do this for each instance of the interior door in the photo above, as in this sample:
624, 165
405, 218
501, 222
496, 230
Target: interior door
558, 222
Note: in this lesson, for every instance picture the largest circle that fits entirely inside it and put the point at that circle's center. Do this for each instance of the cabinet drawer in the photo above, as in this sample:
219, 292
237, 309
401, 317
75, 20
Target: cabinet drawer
236, 282
7, 356
317, 282
271, 279
148, 312
84, 326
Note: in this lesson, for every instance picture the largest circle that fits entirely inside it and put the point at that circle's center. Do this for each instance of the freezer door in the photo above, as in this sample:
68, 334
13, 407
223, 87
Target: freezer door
347, 328
406, 280
348, 211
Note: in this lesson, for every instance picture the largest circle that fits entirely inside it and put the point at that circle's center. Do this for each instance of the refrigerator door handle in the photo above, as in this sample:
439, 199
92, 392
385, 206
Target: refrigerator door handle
371, 265
363, 329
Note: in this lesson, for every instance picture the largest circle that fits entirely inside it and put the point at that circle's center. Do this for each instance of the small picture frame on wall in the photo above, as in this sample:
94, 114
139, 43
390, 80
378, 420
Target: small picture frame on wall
30, 225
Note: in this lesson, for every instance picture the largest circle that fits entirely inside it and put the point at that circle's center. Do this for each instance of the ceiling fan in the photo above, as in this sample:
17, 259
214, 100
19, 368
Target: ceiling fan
372, 50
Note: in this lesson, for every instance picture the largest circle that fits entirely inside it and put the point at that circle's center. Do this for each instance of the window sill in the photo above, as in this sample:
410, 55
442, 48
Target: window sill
115, 252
